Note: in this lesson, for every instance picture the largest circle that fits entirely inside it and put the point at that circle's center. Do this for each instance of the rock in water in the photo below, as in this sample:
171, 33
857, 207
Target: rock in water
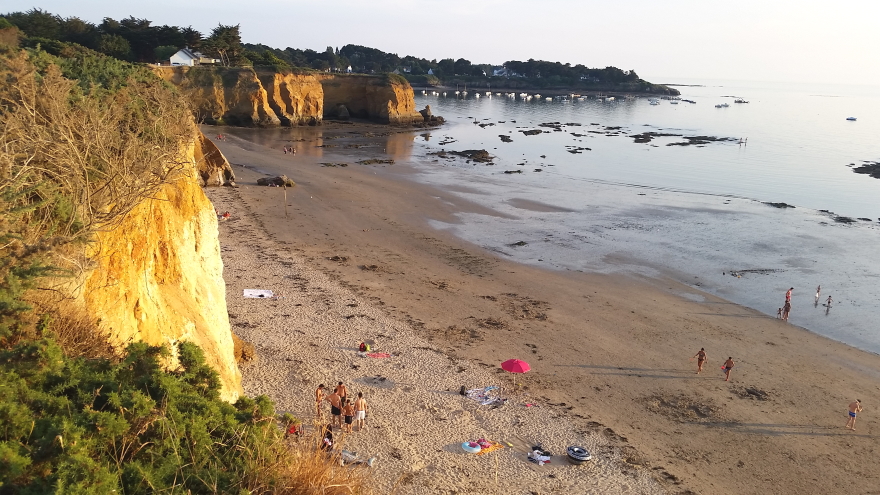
279, 181
426, 113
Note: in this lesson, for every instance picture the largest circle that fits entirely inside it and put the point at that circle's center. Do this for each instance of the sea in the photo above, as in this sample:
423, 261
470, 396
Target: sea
743, 201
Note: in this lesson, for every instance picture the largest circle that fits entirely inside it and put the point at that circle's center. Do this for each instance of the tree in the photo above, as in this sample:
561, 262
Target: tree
191, 37
36, 23
115, 46
225, 42
165, 52
462, 66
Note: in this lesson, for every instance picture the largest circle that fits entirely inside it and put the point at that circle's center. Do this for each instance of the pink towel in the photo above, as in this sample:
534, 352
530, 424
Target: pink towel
379, 355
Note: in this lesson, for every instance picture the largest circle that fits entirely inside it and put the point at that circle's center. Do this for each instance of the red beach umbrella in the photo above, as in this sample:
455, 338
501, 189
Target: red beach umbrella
515, 366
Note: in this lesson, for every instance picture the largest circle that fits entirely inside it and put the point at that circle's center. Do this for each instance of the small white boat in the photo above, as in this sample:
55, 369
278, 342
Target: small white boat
674, 102
740, 100
722, 105
851, 119
548, 99
537, 95
654, 101
476, 95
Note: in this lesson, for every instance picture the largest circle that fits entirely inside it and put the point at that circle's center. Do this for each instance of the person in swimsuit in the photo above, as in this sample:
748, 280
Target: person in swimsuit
327, 440
348, 413
818, 291
788, 295
828, 302
342, 392
335, 409
360, 410
854, 408
319, 398
701, 358
728, 365
785, 310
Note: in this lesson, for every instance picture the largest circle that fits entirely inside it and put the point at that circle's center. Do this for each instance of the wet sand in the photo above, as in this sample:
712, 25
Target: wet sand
609, 354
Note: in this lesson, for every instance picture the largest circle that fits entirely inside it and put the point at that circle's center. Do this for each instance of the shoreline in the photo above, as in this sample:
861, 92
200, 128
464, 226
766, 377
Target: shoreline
622, 376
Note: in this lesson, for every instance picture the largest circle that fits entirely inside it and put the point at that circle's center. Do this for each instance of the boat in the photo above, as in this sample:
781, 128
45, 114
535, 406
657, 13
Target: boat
851, 119
654, 101
674, 102
548, 98
740, 100
722, 105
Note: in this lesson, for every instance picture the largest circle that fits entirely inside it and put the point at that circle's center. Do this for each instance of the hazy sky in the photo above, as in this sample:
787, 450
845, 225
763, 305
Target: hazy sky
766, 40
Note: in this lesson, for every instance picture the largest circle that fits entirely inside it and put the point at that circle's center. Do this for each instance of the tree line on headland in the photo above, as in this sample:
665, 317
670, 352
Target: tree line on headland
138, 40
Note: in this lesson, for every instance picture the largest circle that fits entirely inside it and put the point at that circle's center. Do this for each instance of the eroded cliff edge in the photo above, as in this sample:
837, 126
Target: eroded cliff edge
157, 276
243, 96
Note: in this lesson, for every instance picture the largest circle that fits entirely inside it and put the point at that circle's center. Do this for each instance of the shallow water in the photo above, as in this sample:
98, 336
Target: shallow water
695, 213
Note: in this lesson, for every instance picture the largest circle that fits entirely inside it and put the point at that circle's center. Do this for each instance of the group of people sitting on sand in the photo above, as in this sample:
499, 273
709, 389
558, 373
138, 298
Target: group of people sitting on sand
289, 149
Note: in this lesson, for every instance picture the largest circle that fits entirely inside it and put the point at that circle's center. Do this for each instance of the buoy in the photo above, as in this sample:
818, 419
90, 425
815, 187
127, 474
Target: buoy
472, 447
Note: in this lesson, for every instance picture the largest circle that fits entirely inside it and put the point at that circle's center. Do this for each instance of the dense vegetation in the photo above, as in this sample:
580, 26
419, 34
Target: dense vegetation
138, 40
84, 138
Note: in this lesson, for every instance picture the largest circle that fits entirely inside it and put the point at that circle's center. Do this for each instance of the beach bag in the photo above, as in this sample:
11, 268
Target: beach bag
363, 347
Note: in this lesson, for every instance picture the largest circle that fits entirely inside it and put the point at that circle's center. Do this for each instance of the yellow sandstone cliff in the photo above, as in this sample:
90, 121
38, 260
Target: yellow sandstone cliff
385, 99
241, 96
158, 277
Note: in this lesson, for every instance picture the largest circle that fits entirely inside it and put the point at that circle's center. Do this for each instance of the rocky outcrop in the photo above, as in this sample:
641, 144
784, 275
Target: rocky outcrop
233, 96
296, 99
386, 99
241, 96
157, 276
213, 168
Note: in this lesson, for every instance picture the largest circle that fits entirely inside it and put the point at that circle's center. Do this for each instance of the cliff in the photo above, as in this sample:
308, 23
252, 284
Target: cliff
241, 96
212, 167
157, 277
223, 96
296, 99
387, 99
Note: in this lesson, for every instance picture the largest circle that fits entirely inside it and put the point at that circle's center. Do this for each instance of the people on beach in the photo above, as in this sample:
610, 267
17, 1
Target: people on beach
728, 365
341, 391
788, 295
335, 409
828, 302
854, 408
701, 358
348, 414
779, 313
360, 411
786, 308
327, 440
818, 291
319, 399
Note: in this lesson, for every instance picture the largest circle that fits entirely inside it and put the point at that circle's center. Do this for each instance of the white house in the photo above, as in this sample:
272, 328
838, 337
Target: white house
348, 70
430, 72
185, 56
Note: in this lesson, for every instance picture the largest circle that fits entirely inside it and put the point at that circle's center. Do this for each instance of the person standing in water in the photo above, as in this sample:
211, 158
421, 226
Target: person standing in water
818, 291
788, 295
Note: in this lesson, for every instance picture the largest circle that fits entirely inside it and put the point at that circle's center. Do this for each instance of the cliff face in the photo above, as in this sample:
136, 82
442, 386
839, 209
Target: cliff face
158, 277
378, 98
244, 97
223, 96
296, 99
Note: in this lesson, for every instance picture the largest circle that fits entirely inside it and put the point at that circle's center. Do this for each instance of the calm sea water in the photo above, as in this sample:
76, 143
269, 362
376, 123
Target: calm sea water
694, 213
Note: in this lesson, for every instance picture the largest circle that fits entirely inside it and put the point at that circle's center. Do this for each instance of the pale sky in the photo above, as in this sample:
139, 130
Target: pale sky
761, 40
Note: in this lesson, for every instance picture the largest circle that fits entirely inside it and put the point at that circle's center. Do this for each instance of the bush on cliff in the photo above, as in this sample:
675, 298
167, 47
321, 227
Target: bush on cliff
75, 157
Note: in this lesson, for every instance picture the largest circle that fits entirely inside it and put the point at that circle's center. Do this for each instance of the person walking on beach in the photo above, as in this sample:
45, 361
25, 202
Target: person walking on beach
788, 295
779, 313
854, 408
701, 358
818, 291
360, 410
342, 391
728, 365
319, 398
828, 302
335, 409
785, 310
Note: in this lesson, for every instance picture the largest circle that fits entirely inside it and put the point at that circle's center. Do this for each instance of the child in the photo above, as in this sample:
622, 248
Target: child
779, 313
348, 413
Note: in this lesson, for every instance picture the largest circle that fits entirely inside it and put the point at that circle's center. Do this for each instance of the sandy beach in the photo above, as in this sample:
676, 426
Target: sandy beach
352, 256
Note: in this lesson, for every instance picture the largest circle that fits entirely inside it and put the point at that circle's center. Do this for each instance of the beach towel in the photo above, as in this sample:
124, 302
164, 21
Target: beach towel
493, 446
258, 294
379, 355
484, 395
